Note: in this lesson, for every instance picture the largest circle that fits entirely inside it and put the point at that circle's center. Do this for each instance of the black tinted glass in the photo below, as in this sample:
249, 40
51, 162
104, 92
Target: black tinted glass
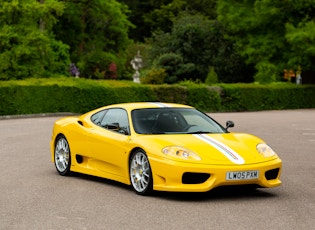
173, 120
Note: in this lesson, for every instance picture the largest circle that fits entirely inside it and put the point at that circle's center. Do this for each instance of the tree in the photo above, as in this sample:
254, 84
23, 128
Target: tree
301, 38
97, 32
138, 11
163, 17
190, 39
198, 43
27, 46
152, 15
272, 35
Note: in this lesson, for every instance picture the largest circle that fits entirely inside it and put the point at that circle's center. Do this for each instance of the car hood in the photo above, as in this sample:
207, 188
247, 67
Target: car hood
226, 148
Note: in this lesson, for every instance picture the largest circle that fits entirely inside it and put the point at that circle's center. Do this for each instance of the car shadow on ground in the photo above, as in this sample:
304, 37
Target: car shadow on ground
220, 193
245, 192
100, 180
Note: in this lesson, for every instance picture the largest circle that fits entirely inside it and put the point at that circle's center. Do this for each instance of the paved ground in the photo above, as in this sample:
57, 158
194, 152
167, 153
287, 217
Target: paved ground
33, 196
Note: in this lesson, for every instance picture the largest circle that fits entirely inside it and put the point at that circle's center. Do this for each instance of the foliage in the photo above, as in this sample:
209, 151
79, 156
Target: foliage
154, 76
97, 64
174, 67
212, 77
266, 97
138, 10
198, 44
188, 44
97, 32
170, 93
162, 18
301, 38
67, 95
81, 95
150, 16
271, 33
27, 46
244, 41
267, 72
202, 96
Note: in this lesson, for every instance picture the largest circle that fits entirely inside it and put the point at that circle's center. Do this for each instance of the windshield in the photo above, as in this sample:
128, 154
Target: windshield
173, 120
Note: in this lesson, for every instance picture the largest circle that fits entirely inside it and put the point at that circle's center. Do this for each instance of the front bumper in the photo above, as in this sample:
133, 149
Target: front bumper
168, 175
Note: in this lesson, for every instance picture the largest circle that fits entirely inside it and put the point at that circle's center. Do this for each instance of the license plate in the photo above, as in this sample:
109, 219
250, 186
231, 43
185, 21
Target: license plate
242, 175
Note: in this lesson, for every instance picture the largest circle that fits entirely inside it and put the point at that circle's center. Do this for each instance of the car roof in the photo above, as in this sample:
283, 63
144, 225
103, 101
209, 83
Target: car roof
143, 105
138, 105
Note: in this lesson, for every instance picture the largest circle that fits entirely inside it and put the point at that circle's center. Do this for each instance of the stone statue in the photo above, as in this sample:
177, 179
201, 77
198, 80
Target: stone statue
136, 64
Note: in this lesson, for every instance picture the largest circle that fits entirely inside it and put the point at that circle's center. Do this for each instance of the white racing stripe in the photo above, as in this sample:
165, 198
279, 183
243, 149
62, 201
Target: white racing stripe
160, 104
225, 150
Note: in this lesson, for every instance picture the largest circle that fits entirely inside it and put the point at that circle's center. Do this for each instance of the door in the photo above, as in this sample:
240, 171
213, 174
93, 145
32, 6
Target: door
109, 142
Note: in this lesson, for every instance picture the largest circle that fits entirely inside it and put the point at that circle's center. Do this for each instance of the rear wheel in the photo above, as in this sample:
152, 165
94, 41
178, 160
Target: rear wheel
140, 173
62, 156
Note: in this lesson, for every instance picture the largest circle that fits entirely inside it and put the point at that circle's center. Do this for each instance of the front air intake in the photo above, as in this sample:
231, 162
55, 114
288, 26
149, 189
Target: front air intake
195, 178
272, 174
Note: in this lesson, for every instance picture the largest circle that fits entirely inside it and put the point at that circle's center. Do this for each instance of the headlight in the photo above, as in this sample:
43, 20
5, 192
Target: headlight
182, 153
265, 150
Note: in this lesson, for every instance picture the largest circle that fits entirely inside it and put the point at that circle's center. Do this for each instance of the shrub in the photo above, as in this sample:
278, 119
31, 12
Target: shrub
174, 66
266, 73
254, 97
212, 77
154, 76
81, 95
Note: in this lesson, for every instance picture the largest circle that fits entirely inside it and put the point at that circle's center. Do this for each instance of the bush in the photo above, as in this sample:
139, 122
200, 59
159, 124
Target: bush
254, 97
174, 66
78, 97
81, 95
202, 96
154, 76
170, 93
266, 73
212, 77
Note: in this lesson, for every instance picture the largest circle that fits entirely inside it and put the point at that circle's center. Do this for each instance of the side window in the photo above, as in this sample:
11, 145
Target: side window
97, 117
116, 120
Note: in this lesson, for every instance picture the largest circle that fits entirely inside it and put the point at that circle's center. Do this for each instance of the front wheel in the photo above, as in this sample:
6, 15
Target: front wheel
140, 173
62, 156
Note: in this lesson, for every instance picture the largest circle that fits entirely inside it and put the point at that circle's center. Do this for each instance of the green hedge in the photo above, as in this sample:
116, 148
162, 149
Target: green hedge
252, 97
80, 95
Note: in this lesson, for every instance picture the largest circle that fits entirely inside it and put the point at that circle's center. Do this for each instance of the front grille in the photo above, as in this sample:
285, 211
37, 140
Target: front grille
195, 178
272, 174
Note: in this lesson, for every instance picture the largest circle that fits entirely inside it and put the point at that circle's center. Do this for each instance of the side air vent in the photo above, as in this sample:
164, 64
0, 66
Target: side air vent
79, 159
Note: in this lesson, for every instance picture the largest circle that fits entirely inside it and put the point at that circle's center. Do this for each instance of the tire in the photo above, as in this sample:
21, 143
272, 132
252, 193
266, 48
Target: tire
140, 173
62, 156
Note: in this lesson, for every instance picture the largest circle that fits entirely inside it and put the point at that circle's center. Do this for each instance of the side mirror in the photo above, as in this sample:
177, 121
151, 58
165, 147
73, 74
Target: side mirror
113, 126
229, 124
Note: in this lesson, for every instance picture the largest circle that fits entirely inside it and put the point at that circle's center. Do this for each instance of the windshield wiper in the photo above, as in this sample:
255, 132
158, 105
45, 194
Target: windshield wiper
198, 132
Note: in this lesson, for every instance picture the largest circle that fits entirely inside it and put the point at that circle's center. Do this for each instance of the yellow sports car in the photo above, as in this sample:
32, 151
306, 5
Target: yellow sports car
161, 146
